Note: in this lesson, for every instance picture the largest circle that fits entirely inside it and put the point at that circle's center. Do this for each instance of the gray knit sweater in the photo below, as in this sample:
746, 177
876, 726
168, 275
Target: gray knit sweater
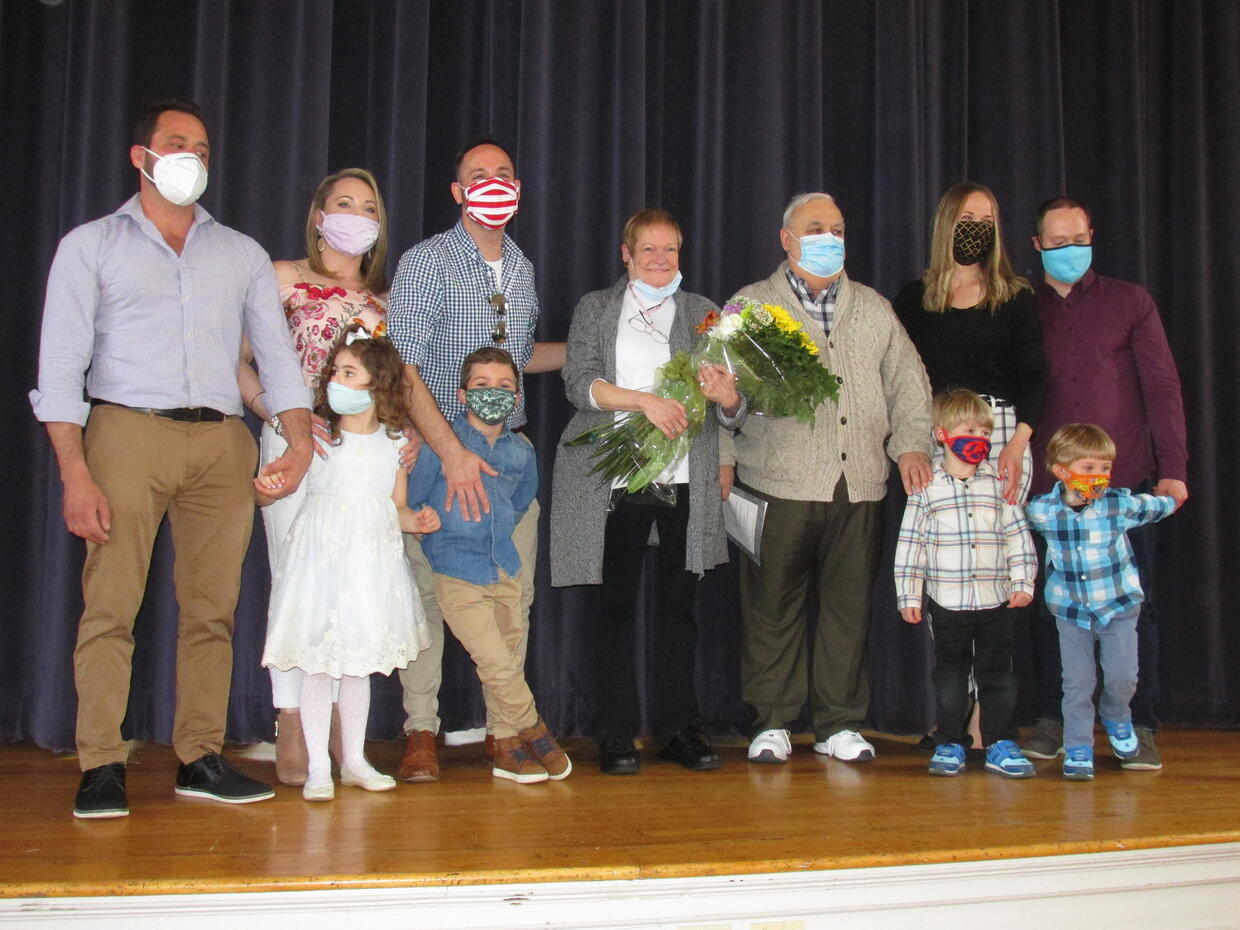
578, 499
884, 404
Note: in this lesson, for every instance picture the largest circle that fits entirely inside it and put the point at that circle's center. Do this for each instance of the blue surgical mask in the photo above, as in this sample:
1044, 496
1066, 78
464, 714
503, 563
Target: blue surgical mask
822, 255
1067, 262
657, 294
346, 400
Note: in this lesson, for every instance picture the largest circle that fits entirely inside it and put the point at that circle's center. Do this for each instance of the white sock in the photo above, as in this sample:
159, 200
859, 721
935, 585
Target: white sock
354, 705
316, 723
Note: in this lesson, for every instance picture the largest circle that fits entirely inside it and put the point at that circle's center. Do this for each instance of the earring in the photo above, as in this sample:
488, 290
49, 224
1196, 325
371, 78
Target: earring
322, 244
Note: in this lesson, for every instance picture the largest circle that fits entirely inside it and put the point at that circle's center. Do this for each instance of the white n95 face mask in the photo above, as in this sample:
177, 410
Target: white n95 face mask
180, 177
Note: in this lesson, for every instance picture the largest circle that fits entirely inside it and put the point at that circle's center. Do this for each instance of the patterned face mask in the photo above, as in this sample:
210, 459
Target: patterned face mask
491, 405
1087, 487
971, 449
972, 241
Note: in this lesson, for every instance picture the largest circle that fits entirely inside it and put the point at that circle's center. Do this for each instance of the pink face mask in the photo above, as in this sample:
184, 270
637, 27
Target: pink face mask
348, 233
491, 202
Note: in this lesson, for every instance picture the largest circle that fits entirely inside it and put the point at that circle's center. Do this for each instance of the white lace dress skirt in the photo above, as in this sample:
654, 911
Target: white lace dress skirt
343, 601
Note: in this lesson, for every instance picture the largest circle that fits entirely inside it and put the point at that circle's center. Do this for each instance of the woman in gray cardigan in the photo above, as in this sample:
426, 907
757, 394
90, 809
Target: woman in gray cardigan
618, 339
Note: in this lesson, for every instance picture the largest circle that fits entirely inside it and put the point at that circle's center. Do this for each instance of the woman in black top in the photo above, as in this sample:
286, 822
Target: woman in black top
975, 325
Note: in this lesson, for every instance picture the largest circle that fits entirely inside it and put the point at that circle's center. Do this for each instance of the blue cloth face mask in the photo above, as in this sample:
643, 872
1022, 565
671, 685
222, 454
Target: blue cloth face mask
1068, 262
346, 400
657, 294
491, 405
822, 255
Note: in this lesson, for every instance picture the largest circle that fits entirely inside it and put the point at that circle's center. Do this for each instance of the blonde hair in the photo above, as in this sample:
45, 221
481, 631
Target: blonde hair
960, 406
1078, 441
999, 283
642, 220
373, 278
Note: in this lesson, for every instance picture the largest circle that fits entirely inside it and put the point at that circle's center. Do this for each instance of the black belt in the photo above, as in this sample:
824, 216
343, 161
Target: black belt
180, 414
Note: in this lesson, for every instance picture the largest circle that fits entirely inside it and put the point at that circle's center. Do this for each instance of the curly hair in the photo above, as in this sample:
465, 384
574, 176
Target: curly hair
383, 363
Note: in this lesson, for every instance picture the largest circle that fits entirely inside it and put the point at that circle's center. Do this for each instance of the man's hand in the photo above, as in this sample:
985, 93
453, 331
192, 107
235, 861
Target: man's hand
1170, 487
1020, 599
914, 471
283, 476
463, 471
86, 509
727, 478
910, 614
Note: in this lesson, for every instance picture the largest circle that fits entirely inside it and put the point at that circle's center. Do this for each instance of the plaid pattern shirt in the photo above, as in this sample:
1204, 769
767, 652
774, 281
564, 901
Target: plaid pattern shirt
1090, 573
964, 544
821, 308
440, 310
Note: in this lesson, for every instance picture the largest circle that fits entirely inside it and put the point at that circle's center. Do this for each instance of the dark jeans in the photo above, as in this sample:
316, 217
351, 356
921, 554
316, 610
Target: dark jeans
983, 641
1044, 636
673, 701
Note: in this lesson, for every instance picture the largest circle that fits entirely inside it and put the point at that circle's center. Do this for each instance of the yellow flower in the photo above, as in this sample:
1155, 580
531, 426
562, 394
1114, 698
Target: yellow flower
783, 319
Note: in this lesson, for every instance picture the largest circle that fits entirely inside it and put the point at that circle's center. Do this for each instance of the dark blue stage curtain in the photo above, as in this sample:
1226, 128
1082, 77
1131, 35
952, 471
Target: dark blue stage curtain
718, 111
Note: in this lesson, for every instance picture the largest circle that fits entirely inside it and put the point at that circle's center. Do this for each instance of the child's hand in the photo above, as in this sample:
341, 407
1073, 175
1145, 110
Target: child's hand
409, 451
427, 519
1020, 599
270, 484
911, 614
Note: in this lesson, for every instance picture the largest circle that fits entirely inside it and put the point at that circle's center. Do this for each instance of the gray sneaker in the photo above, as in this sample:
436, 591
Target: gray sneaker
1046, 742
1146, 759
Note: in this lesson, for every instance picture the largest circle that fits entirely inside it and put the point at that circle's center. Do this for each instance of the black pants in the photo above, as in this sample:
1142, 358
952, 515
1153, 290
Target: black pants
672, 704
1044, 635
981, 640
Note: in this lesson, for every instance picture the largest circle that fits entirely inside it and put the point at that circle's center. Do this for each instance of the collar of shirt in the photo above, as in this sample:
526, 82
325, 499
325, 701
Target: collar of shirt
133, 209
1079, 289
465, 242
943, 476
820, 308
472, 439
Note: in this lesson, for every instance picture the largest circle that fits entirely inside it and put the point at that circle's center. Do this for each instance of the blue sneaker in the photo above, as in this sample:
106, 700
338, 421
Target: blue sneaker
1123, 737
1078, 763
948, 759
1004, 756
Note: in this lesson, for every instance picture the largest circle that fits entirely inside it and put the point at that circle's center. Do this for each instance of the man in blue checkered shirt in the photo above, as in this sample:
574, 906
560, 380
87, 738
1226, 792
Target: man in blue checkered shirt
453, 293
1092, 587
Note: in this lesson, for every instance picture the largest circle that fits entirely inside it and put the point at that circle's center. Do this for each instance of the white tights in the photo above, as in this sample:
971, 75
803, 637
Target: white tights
316, 722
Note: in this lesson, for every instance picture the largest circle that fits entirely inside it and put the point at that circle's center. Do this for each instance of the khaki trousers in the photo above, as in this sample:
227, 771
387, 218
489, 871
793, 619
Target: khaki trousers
810, 548
489, 620
423, 676
199, 474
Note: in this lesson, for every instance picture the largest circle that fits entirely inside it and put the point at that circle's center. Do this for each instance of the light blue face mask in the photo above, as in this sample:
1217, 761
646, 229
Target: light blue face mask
822, 255
1068, 262
652, 293
346, 400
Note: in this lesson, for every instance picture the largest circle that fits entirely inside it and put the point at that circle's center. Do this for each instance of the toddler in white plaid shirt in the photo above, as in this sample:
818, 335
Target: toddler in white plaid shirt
970, 551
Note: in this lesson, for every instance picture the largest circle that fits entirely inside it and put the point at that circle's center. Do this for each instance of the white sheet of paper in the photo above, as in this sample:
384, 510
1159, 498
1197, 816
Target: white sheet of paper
743, 518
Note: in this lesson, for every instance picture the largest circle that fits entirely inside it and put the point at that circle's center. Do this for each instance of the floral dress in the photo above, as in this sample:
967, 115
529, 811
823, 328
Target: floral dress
316, 314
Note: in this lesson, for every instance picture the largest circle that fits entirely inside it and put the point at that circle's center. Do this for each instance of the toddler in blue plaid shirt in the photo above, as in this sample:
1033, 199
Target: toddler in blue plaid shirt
966, 548
1092, 587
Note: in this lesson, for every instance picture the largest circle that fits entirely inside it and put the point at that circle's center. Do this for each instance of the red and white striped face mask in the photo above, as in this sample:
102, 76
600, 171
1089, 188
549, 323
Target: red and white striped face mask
491, 202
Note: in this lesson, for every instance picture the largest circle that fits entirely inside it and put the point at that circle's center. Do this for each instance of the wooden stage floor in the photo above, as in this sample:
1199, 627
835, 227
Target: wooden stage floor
470, 828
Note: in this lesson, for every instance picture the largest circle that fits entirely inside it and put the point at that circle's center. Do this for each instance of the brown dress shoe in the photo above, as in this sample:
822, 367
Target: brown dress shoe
420, 761
488, 746
540, 744
513, 762
292, 760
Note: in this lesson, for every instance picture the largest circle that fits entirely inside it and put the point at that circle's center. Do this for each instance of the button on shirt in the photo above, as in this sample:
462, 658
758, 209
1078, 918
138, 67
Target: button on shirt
135, 323
1108, 362
440, 310
476, 550
968, 547
1090, 573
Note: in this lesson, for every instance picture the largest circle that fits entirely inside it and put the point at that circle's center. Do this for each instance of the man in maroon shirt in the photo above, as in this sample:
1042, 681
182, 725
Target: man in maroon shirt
1108, 363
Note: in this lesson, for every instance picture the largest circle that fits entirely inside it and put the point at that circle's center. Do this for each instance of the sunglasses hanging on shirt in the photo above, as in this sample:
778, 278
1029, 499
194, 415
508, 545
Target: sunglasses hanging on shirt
500, 305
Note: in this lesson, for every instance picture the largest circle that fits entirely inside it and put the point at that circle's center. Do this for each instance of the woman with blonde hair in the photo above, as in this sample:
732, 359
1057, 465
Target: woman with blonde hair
974, 323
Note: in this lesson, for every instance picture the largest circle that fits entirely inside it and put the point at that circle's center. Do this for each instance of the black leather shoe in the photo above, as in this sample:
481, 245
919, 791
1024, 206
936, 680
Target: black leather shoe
690, 748
211, 776
102, 793
617, 755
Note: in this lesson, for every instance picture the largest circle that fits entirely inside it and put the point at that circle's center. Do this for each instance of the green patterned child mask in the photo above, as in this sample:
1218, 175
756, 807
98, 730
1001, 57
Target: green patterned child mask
491, 405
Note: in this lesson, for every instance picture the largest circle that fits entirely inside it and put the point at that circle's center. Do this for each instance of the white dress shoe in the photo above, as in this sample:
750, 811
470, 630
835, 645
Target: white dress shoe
369, 780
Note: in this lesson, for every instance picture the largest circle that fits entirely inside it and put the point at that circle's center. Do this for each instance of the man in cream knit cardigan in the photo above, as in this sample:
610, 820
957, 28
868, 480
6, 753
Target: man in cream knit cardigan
824, 486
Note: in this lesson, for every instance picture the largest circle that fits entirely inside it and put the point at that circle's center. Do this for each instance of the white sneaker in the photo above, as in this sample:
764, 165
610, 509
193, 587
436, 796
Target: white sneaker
846, 745
770, 746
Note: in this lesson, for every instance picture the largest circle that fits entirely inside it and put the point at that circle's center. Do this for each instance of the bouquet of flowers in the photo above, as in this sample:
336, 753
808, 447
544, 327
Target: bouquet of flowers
777, 370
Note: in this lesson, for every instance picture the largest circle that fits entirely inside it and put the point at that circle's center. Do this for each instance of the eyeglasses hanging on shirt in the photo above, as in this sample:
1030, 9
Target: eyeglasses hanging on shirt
643, 320
500, 305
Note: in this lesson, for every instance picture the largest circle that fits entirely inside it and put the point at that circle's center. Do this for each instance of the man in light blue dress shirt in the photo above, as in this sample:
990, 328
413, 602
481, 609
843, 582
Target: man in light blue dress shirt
142, 329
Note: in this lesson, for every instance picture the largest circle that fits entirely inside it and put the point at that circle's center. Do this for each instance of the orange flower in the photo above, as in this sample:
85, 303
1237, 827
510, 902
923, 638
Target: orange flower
710, 320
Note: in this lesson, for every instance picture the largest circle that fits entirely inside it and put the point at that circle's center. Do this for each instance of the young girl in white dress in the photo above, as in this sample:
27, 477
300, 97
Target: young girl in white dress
343, 602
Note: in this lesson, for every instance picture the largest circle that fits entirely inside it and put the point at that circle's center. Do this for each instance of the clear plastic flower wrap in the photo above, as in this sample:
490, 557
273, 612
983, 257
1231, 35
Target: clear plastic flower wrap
777, 371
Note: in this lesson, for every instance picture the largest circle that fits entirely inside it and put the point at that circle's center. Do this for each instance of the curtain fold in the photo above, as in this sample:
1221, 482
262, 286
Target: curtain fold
718, 111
